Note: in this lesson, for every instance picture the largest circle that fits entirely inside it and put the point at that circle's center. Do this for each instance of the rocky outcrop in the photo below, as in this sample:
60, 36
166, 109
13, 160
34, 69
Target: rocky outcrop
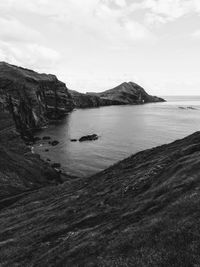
128, 93
90, 137
31, 97
143, 211
90, 101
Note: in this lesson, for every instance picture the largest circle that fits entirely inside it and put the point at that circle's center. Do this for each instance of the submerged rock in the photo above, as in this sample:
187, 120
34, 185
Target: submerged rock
54, 143
90, 137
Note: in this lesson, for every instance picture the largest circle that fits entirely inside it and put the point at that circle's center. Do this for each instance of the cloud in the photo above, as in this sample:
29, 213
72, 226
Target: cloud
196, 34
163, 11
13, 30
95, 18
28, 54
21, 44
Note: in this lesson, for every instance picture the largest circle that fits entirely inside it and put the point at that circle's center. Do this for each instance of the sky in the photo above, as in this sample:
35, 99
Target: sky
94, 45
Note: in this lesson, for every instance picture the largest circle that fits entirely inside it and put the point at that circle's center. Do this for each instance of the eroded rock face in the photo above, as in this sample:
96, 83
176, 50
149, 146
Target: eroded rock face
31, 97
90, 101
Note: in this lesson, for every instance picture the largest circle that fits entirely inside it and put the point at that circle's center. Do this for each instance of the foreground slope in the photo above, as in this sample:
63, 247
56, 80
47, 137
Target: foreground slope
143, 211
128, 93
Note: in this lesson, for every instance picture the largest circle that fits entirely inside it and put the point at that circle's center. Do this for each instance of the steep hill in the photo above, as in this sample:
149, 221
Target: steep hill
143, 211
128, 93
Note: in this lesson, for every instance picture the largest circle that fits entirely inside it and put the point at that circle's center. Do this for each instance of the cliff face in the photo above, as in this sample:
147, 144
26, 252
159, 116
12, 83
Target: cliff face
143, 211
89, 101
31, 97
128, 93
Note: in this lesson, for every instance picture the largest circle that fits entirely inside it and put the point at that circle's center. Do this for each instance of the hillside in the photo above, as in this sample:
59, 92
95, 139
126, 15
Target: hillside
143, 211
128, 93
123, 94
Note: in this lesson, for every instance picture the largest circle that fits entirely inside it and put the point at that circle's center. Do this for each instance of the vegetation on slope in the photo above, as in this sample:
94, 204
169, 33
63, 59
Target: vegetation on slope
143, 211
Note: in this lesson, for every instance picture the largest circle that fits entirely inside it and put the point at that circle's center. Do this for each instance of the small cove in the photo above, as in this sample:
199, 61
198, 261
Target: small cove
122, 130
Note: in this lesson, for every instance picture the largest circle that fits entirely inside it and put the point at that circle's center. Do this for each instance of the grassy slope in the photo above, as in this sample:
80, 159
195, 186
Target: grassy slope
143, 211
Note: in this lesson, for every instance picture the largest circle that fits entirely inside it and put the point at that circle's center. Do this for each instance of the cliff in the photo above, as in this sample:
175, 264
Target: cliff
32, 98
128, 93
143, 211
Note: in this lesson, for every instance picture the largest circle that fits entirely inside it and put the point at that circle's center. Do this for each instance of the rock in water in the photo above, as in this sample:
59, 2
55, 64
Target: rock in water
90, 137
54, 143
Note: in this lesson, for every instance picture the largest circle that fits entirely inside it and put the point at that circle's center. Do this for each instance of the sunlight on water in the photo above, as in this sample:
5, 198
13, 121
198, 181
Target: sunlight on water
123, 130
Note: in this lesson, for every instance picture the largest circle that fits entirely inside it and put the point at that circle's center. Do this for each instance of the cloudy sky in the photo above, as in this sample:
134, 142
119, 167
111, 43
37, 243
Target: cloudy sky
93, 45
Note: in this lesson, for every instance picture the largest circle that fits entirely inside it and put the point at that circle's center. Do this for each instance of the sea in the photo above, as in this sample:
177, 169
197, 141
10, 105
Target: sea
122, 131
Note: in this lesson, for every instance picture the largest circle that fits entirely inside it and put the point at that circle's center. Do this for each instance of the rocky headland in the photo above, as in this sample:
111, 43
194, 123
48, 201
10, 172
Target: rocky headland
128, 93
124, 94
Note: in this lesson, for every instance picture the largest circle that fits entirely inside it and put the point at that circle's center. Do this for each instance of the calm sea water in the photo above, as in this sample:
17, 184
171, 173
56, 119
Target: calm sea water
123, 130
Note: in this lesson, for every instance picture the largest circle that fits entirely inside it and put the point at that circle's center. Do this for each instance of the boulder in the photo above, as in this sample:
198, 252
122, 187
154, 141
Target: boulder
90, 137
